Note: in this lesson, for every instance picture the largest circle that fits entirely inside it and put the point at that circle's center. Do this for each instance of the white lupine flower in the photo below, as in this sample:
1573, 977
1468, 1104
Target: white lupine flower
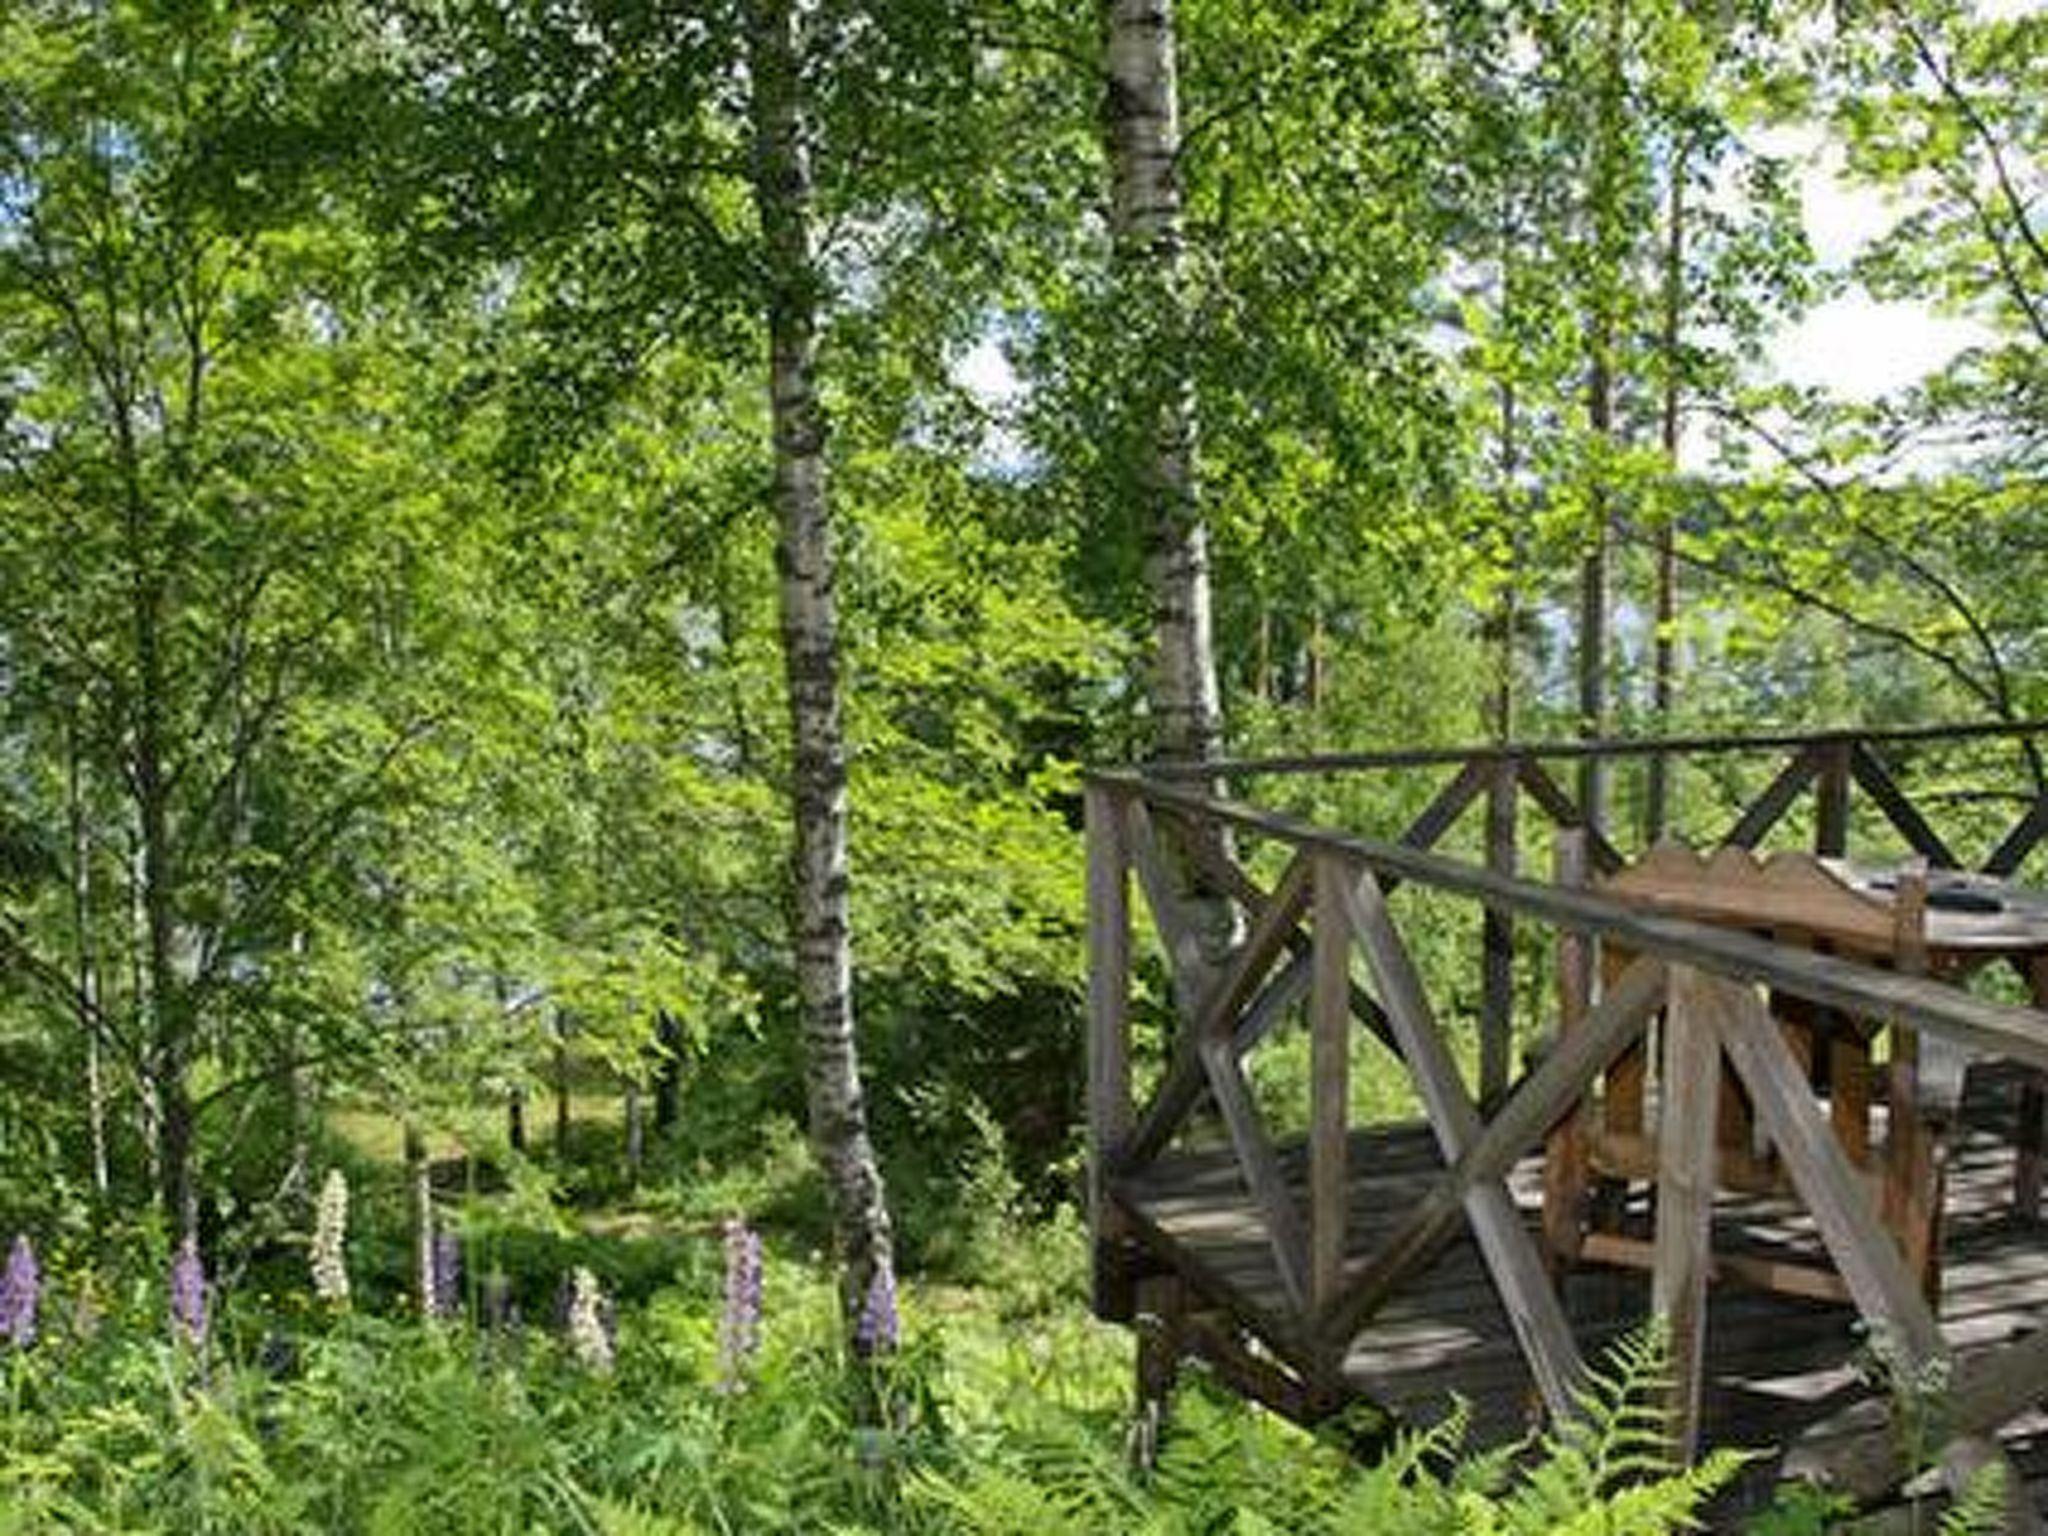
330, 1231
588, 1338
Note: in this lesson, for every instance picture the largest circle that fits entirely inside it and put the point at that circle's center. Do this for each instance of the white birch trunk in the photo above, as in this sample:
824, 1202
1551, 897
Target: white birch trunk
419, 1180
1145, 221
810, 648
1143, 123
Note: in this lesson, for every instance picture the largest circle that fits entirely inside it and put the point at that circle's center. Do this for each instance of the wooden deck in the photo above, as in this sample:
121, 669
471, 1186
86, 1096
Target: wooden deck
1780, 1366
1357, 1264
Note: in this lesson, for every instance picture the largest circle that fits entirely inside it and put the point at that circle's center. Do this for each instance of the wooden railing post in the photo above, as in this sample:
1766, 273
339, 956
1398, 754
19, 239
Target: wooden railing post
1564, 1162
1686, 1121
1512, 1257
1831, 799
1497, 976
2026, 1173
1109, 1044
1329, 1084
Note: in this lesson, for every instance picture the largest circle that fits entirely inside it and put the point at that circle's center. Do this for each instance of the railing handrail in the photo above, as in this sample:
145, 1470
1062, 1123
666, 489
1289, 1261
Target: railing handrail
1425, 757
1977, 1023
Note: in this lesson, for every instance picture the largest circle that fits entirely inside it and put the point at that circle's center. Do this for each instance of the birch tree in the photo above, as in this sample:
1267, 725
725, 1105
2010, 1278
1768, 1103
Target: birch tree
1143, 120
805, 564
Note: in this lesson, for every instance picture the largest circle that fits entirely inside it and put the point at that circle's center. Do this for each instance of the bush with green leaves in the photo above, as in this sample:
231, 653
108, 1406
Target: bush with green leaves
293, 1418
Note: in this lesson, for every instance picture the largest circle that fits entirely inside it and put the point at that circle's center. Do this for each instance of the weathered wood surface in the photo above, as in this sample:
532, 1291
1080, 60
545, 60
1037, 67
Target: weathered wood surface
1618, 747
1512, 1257
1973, 1022
1732, 885
1685, 1194
1329, 1086
1311, 1271
1779, 1367
1109, 1060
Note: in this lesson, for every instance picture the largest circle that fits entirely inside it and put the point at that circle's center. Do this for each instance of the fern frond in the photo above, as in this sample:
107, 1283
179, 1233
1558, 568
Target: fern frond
1980, 1511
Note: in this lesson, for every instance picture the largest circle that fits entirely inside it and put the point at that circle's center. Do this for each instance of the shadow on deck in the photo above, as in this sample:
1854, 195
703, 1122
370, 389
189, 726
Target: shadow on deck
1778, 1366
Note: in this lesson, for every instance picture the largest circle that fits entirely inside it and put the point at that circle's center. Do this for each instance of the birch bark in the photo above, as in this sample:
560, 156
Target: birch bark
810, 646
1143, 117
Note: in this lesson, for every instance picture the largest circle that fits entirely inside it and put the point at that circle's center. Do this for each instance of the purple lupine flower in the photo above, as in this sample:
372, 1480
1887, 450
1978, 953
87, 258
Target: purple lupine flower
188, 1293
21, 1289
876, 1330
445, 1299
739, 1326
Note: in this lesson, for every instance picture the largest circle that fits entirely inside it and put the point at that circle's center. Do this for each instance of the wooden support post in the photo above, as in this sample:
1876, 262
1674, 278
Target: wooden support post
2026, 1171
1564, 1163
1236, 990
1259, 1163
1863, 1251
1159, 1304
1831, 799
1512, 1258
1690, 1076
1329, 1085
1497, 978
1183, 946
1544, 1095
1849, 1090
1915, 1148
1109, 1046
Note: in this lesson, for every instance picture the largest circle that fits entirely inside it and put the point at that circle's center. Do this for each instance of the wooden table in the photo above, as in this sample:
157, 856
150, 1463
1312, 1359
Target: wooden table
1942, 923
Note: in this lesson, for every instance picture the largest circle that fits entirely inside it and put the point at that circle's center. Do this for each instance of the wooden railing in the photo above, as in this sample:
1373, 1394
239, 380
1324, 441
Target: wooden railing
1329, 905
1830, 766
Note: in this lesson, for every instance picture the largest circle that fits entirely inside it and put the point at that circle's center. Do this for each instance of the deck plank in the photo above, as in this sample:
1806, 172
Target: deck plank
1775, 1365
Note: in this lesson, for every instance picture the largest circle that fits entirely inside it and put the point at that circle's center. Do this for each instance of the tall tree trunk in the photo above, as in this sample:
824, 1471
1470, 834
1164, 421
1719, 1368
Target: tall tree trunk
175, 1124
1605, 217
668, 1077
1142, 114
1664, 656
148, 1117
810, 650
1262, 678
636, 1132
1317, 645
1593, 585
88, 975
1145, 223
419, 1185
1507, 606
561, 1076
298, 1086
1506, 614
170, 1036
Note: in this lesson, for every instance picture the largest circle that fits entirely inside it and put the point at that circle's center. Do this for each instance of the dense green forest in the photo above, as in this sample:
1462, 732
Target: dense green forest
560, 564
